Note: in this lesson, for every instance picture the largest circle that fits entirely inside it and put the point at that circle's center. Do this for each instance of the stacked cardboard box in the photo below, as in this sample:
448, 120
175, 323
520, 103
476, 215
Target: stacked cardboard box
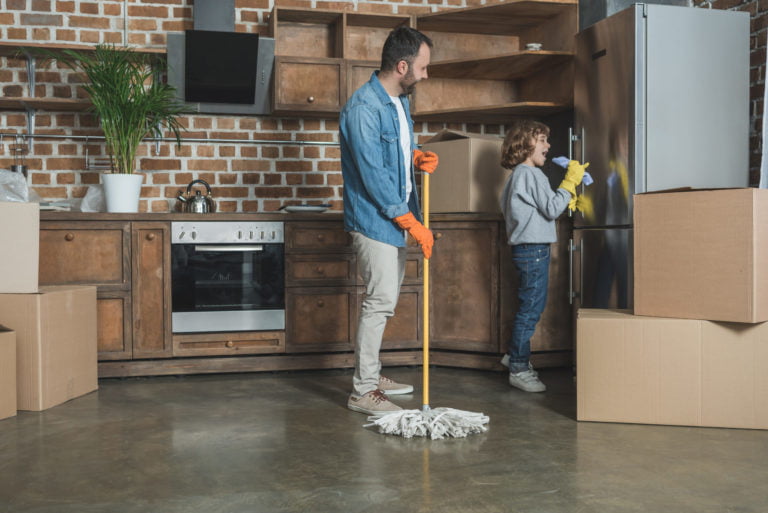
49, 356
7, 373
695, 352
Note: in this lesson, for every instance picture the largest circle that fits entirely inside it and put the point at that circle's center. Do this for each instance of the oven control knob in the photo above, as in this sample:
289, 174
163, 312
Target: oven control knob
181, 235
193, 235
239, 234
250, 236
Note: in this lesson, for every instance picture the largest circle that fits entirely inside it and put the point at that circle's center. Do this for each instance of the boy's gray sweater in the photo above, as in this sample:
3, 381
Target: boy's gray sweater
530, 206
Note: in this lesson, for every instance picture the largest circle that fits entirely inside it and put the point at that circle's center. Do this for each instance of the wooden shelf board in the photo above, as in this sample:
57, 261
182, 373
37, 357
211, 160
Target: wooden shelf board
502, 67
51, 104
508, 18
376, 20
8, 49
491, 113
299, 15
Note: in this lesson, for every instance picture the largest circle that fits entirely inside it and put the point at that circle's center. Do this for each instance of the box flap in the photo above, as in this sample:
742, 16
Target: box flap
452, 135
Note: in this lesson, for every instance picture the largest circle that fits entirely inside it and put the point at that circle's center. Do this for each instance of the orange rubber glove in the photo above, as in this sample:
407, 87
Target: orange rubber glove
418, 231
425, 161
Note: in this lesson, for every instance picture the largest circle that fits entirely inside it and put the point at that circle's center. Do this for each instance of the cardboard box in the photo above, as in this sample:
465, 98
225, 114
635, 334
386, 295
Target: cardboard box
702, 254
654, 370
19, 247
7, 373
55, 344
469, 176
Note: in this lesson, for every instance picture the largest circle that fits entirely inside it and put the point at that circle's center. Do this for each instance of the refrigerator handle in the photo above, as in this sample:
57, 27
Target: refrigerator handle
572, 248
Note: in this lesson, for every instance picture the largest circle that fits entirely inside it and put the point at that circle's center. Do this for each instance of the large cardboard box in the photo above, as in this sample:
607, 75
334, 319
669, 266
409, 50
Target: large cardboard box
7, 373
654, 370
19, 246
55, 344
702, 254
469, 176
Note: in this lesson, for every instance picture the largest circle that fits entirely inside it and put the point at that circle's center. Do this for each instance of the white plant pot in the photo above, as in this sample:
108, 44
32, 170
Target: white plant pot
121, 191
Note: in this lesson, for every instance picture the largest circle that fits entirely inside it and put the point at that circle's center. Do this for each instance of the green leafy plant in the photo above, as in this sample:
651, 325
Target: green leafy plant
129, 100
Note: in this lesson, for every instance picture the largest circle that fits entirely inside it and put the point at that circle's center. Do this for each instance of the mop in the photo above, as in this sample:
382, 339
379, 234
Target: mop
435, 423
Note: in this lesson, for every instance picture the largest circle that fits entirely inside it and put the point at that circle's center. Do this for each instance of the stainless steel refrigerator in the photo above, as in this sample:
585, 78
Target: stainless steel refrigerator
660, 102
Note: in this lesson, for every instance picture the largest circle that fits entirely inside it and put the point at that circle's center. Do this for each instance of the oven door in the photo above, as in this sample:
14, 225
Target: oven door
227, 287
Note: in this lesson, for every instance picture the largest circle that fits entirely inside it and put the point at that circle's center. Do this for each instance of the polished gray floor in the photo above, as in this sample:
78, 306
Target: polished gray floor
284, 442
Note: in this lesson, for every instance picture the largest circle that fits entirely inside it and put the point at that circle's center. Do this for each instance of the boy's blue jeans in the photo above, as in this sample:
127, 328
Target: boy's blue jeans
532, 263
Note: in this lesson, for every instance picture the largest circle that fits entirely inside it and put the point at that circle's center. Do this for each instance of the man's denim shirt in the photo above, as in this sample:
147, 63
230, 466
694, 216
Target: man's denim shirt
372, 164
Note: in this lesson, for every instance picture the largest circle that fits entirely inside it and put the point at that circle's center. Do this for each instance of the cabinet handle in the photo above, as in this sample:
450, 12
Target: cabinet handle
311, 99
320, 303
230, 343
69, 236
438, 235
320, 237
150, 236
319, 270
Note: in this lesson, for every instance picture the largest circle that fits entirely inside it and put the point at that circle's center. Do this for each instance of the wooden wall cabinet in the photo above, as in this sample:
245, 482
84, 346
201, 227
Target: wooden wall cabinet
480, 69
313, 51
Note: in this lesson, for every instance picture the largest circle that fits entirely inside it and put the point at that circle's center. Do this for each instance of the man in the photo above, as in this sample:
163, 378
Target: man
378, 157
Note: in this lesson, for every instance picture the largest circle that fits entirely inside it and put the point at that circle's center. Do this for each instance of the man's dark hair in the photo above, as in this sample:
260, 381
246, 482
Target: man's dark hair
402, 44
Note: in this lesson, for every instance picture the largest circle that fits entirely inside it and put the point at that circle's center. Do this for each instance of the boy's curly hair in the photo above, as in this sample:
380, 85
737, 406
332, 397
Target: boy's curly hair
520, 141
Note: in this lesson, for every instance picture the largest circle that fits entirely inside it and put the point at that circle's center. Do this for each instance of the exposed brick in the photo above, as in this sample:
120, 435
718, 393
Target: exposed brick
204, 151
294, 179
89, 8
329, 165
65, 6
226, 151
41, 179
248, 124
253, 206
202, 123
273, 179
314, 179
16, 5
315, 192
41, 34
227, 178
89, 178
251, 165
249, 151
300, 165
88, 22
311, 152
291, 152
16, 33
59, 164
113, 9
270, 152
147, 11
65, 178
273, 192
226, 206
251, 178
142, 24
231, 192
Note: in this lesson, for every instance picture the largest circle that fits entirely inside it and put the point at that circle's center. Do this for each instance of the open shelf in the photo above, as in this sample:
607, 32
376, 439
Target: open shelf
508, 18
10, 49
52, 104
502, 67
492, 113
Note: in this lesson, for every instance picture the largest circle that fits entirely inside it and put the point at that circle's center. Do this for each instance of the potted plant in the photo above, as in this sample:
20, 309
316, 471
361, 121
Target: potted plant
131, 104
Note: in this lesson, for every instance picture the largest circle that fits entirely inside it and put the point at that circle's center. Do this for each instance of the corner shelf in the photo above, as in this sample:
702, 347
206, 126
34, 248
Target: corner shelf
52, 104
500, 113
502, 67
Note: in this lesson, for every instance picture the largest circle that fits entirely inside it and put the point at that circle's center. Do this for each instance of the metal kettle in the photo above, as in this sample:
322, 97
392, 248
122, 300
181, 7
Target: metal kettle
197, 204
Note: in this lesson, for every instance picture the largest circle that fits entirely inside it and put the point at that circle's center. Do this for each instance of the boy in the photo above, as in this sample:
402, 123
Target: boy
530, 208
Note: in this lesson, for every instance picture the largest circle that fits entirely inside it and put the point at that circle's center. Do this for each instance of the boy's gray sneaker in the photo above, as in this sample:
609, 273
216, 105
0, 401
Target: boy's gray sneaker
391, 387
528, 381
372, 403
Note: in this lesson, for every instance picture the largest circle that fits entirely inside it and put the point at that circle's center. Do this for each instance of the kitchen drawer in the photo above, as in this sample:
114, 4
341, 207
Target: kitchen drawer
215, 344
317, 237
311, 270
321, 318
85, 253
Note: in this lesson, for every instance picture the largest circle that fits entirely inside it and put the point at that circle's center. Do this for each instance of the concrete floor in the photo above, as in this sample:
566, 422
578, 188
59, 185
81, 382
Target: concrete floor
284, 442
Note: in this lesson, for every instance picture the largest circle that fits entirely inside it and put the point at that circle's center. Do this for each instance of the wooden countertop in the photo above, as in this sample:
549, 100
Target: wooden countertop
239, 216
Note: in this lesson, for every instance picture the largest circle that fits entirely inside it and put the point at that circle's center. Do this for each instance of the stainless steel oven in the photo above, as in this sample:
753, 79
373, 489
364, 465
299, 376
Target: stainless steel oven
227, 276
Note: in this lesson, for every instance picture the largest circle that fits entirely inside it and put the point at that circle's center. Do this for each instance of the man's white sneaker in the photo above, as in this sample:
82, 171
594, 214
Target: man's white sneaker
528, 381
391, 387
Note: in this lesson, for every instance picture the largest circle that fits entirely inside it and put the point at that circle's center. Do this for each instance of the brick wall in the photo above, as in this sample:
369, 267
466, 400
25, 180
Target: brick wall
245, 177
758, 11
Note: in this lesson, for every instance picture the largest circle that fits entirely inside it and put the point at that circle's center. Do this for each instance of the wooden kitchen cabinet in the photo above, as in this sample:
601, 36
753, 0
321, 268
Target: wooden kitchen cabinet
464, 281
305, 86
94, 253
151, 289
129, 263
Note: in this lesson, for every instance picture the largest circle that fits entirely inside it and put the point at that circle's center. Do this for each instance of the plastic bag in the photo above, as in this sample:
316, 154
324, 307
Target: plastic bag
93, 201
13, 187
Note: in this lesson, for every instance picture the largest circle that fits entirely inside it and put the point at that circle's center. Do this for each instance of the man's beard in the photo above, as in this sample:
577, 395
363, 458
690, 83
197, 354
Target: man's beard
408, 84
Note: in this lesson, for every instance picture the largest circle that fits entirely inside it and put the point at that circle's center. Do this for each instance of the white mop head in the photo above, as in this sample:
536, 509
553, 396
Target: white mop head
436, 424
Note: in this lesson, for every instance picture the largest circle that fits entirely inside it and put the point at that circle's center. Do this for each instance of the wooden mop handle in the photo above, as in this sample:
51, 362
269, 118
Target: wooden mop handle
425, 300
